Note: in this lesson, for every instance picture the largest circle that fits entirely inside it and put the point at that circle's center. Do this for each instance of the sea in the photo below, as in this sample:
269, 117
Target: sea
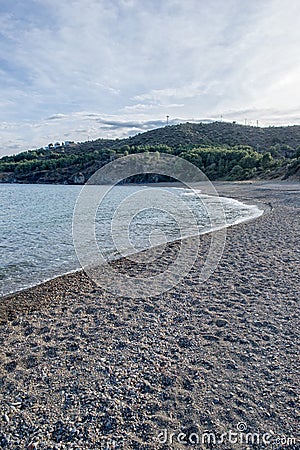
36, 223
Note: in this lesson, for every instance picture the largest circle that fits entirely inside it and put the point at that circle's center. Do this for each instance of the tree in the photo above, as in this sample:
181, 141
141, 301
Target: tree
297, 152
236, 173
266, 160
249, 161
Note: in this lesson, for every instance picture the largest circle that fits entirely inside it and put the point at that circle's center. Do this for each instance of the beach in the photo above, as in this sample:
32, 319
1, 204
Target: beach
204, 365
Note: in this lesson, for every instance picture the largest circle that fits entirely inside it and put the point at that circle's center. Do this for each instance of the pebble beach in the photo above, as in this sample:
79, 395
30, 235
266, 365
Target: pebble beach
202, 366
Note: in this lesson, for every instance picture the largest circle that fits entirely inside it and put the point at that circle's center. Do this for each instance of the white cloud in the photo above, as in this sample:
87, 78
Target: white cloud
183, 92
133, 61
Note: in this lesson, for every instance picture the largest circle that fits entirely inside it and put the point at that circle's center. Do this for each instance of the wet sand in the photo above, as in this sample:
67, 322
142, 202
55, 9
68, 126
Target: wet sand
82, 369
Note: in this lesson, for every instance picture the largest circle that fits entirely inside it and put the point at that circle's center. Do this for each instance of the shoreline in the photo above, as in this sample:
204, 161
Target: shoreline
88, 370
260, 206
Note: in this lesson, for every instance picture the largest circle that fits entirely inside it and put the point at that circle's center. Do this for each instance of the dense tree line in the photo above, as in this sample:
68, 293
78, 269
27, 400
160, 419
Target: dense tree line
221, 162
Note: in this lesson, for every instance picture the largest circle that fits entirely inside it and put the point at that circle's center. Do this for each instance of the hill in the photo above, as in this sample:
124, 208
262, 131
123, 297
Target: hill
220, 133
208, 134
222, 150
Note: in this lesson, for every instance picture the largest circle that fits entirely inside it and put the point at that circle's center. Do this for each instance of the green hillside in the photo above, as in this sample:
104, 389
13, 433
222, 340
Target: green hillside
222, 150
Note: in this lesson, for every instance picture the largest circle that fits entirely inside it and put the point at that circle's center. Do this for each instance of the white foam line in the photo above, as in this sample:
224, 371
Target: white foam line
227, 200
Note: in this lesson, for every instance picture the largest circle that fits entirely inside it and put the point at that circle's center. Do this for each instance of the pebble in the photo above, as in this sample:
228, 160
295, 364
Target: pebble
135, 373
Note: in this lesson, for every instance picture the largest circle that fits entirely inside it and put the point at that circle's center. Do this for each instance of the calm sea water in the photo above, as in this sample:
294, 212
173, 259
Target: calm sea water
36, 227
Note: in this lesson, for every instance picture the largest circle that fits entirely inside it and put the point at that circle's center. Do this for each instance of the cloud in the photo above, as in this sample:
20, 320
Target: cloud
56, 117
69, 127
137, 62
144, 107
182, 92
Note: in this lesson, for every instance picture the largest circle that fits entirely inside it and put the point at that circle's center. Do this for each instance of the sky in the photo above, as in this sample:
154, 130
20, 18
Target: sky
87, 69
